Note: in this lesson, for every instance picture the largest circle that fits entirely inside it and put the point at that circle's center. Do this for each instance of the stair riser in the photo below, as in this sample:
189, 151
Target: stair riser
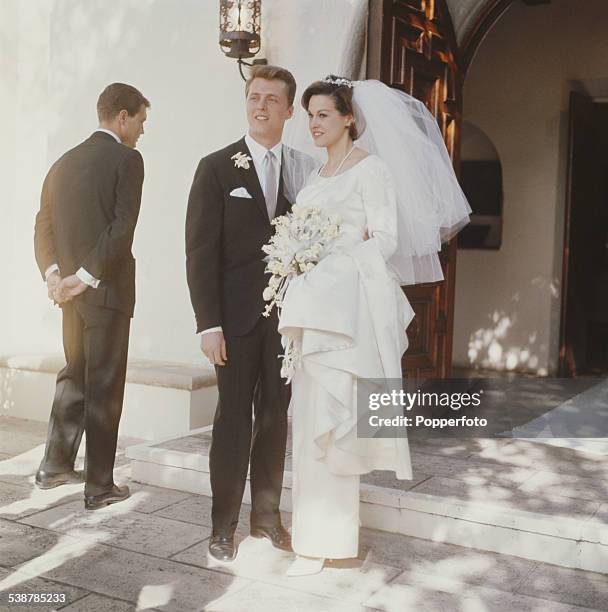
29, 395
432, 525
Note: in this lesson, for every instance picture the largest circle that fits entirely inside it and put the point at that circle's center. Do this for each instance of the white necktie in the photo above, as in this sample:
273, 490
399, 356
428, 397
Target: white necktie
270, 184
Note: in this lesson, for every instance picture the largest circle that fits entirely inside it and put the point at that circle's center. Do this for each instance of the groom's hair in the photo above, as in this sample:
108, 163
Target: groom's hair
273, 73
117, 97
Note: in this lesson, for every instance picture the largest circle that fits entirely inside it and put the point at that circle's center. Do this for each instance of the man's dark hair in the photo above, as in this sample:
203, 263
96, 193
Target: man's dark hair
117, 97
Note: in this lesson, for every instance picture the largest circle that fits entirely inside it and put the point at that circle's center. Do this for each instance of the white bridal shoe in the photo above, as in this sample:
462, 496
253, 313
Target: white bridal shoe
305, 566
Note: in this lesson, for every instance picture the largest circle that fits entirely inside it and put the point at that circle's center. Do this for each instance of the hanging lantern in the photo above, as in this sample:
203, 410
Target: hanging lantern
240, 27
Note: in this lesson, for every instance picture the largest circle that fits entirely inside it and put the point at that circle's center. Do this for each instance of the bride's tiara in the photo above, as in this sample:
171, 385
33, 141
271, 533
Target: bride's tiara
338, 81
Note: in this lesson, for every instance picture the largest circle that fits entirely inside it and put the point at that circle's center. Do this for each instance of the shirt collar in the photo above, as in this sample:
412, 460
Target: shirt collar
115, 136
258, 151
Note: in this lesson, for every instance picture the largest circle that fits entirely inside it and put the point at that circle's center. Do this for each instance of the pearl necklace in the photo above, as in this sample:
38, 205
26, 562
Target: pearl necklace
339, 165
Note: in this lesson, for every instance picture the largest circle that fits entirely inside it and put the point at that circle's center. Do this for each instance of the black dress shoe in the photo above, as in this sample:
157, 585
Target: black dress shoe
222, 547
279, 536
115, 495
50, 480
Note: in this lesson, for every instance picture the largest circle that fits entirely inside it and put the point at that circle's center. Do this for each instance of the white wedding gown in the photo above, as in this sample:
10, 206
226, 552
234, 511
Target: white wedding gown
348, 318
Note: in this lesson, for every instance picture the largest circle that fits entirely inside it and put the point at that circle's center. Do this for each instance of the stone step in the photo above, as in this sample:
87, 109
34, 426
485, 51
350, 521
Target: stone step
550, 512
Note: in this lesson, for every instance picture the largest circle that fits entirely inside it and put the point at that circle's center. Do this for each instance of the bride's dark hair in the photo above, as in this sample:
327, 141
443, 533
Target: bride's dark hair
340, 90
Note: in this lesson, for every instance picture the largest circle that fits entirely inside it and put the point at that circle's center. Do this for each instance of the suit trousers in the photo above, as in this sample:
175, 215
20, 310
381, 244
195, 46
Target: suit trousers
89, 393
251, 375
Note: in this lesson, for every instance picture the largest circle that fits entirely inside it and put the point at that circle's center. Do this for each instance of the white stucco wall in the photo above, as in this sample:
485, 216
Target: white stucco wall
57, 55
8, 101
508, 301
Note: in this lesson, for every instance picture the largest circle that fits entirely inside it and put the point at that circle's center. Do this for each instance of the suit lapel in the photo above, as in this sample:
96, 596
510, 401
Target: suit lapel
251, 178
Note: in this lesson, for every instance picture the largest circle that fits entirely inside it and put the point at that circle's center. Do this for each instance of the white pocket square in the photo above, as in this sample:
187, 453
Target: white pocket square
240, 192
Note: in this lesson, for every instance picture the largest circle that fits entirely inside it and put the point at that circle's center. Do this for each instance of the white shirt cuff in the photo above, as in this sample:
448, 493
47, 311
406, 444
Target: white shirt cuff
211, 329
50, 270
87, 279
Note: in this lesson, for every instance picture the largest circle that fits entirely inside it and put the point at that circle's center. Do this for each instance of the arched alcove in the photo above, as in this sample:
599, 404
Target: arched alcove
517, 88
481, 180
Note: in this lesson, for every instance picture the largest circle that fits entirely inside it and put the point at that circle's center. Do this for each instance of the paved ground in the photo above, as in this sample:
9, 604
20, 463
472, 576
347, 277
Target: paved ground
149, 553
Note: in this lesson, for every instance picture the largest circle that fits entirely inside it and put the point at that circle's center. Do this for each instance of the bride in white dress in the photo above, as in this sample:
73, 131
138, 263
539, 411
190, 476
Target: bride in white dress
347, 317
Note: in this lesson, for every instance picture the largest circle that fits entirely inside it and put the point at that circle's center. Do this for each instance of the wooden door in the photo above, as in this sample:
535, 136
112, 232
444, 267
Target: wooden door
584, 233
418, 54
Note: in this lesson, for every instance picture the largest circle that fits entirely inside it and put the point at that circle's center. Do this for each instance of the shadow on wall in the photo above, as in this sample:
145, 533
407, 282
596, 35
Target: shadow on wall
506, 343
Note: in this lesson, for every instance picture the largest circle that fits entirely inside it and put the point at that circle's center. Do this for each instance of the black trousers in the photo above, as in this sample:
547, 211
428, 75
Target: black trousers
89, 393
251, 375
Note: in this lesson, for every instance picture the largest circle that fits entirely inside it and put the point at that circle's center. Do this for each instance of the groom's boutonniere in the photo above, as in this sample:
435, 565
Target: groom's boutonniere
241, 160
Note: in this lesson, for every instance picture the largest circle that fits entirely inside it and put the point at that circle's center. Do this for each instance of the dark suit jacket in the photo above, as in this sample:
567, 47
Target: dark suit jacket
224, 238
88, 211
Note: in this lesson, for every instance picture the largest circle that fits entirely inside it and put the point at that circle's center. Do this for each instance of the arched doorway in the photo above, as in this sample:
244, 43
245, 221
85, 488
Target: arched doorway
487, 15
416, 51
547, 106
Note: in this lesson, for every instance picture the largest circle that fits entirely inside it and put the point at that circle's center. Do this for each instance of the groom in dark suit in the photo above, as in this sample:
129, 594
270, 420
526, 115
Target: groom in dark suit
235, 194
84, 231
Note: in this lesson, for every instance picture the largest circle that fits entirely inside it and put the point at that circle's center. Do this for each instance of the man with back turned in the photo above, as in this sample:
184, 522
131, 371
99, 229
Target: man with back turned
84, 231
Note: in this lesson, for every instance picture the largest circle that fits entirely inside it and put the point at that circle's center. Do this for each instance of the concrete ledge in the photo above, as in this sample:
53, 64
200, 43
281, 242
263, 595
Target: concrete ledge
141, 371
161, 398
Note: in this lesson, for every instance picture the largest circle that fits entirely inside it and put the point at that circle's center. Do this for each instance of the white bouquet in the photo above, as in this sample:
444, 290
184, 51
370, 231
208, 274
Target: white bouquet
300, 241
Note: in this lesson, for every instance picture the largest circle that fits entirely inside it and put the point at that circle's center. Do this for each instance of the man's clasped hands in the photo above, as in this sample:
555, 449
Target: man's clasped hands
62, 290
